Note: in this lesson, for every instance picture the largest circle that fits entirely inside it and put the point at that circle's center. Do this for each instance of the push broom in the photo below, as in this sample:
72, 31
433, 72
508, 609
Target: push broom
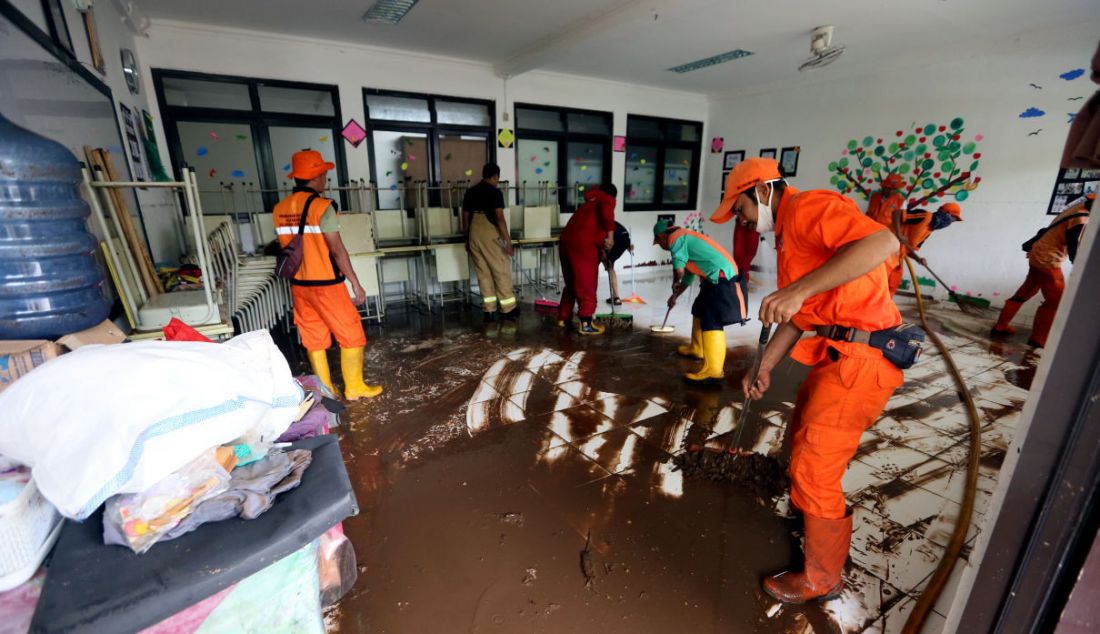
620, 321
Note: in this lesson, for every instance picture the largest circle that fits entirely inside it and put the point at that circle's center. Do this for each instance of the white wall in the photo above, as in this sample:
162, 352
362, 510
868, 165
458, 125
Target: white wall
982, 254
352, 67
157, 209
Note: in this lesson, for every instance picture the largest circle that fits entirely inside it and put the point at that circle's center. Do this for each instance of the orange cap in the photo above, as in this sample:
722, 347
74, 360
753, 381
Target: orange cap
953, 209
308, 164
744, 175
893, 181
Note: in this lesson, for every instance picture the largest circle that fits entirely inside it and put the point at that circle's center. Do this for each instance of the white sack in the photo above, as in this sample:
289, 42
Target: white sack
116, 419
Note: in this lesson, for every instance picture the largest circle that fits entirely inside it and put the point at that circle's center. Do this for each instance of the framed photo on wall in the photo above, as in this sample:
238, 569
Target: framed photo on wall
788, 161
59, 29
767, 152
731, 159
725, 175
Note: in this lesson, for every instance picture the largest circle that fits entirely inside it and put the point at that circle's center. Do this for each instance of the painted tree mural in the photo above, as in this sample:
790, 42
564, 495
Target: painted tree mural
937, 162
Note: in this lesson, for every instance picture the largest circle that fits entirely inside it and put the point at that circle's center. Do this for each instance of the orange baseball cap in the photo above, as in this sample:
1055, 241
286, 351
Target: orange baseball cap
893, 181
744, 175
953, 209
308, 164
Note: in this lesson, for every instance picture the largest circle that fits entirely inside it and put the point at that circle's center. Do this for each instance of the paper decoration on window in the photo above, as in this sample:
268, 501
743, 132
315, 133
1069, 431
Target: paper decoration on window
545, 148
546, 164
618, 144
394, 186
469, 172
580, 187
404, 167
505, 138
389, 172
534, 158
242, 137
538, 170
716, 144
212, 173
412, 157
642, 161
213, 135
584, 168
353, 133
202, 151
1072, 74
448, 157
286, 168
324, 139
237, 174
409, 141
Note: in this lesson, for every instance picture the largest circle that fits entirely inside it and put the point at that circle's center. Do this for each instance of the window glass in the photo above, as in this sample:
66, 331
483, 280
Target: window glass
462, 156
643, 129
677, 177
537, 166
400, 158
224, 160
285, 141
198, 93
532, 119
584, 170
584, 123
296, 101
641, 174
462, 113
390, 108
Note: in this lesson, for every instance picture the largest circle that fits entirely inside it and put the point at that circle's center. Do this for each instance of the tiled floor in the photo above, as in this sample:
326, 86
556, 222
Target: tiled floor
906, 482
597, 421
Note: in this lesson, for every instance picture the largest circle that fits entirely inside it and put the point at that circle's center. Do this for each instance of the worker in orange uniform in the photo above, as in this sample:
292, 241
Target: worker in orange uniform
885, 202
912, 227
1049, 250
322, 306
832, 281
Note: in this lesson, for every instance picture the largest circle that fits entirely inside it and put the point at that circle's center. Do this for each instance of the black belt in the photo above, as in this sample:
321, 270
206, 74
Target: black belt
843, 333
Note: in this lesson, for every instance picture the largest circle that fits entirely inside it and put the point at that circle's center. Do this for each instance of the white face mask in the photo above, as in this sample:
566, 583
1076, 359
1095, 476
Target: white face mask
765, 221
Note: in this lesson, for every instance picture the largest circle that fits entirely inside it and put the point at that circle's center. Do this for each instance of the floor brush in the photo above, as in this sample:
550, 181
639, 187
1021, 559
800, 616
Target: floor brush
614, 320
541, 302
972, 305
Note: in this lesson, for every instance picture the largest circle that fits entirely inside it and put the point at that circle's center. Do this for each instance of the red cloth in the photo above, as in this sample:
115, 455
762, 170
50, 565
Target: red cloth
592, 220
745, 243
176, 330
580, 268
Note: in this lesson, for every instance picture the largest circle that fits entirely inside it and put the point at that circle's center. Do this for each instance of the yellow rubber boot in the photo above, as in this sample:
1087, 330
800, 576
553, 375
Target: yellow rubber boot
351, 365
318, 359
695, 348
714, 358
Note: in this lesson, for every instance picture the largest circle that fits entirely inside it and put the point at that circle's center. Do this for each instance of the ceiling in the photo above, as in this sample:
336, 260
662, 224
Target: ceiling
638, 40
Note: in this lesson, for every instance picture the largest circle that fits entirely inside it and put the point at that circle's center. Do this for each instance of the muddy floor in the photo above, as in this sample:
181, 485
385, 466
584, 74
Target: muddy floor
518, 479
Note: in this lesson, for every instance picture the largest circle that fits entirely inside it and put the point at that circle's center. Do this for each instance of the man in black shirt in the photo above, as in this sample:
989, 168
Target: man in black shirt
489, 244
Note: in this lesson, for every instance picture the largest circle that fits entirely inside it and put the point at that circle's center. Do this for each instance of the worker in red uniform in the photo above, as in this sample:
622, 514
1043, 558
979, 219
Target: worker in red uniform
322, 306
1058, 241
912, 227
832, 282
589, 231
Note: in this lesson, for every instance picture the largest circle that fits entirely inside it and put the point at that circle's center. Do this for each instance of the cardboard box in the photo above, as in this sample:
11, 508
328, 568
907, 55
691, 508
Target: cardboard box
106, 333
18, 357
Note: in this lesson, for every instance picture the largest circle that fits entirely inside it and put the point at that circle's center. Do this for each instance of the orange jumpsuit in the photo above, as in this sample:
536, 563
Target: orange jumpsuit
850, 383
916, 226
881, 209
322, 305
1044, 274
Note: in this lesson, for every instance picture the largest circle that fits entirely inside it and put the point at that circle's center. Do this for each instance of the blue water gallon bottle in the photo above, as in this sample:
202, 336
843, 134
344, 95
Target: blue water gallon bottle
50, 281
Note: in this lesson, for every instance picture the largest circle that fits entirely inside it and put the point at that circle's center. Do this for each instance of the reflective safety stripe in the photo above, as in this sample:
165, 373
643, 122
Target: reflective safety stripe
293, 231
508, 302
490, 300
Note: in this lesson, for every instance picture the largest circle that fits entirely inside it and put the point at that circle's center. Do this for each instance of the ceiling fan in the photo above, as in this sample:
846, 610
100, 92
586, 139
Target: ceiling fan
822, 51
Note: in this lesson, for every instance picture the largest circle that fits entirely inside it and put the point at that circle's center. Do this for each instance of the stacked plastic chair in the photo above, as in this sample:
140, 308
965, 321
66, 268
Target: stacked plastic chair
256, 298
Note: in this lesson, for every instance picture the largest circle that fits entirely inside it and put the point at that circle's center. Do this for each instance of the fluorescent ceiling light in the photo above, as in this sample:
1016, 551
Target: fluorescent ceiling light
729, 56
389, 11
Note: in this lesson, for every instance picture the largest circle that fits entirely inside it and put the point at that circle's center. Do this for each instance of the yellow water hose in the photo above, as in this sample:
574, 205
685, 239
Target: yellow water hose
958, 537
